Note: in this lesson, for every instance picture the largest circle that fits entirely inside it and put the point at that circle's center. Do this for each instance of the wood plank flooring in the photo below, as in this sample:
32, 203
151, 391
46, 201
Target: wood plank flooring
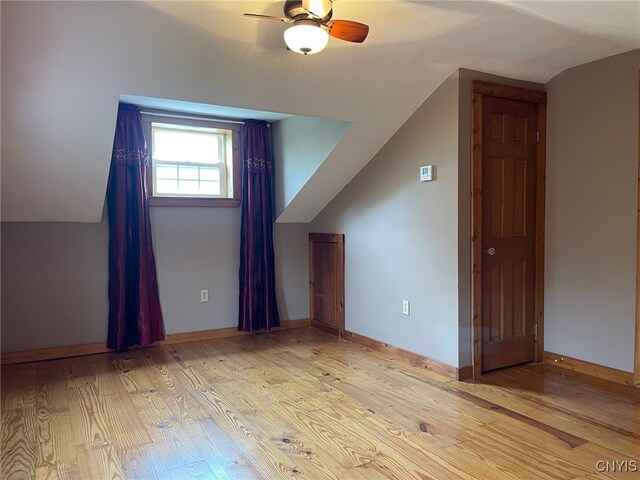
301, 404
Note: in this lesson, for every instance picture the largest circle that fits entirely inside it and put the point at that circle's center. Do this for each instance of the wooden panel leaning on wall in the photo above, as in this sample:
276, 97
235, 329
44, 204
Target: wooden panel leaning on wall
303, 404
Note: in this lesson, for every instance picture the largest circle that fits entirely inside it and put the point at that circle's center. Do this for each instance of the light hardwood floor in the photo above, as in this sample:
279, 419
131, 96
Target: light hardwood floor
301, 404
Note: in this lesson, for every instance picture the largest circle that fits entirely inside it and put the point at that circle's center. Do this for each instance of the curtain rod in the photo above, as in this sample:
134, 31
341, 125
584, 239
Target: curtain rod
187, 117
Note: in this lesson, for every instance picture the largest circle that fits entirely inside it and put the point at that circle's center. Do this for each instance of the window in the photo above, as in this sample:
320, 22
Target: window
193, 162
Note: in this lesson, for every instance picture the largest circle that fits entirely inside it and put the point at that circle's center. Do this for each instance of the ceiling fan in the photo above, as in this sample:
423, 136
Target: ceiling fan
313, 24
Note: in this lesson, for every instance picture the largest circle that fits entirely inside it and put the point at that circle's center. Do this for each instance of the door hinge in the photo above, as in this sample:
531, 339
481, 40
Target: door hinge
538, 136
535, 330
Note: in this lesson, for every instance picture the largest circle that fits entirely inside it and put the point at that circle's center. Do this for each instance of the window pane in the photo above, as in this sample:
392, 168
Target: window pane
185, 146
188, 173
210, 174
166, 186
210, 188
166, 171
189, 187
188, 160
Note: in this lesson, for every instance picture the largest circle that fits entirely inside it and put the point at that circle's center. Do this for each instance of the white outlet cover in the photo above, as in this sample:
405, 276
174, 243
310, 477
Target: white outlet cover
204, 295
406, 307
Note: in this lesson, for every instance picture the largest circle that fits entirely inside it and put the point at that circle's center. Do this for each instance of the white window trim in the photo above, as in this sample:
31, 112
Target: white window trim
230, 173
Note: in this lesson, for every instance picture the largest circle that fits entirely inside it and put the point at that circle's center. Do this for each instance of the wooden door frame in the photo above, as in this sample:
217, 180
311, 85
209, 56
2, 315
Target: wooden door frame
636, 355
337, 238
539, 98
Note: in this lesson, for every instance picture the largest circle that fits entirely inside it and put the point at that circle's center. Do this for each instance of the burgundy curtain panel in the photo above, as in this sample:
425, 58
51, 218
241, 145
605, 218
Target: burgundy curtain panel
258, 304
135, 317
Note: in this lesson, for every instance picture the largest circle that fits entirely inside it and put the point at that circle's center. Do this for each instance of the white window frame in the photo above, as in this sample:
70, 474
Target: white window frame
230, 170
225, 152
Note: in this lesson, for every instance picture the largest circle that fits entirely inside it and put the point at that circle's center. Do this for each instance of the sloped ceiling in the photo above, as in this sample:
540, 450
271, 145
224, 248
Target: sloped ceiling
65, 65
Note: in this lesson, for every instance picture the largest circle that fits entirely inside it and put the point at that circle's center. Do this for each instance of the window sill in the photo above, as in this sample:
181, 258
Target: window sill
193, 202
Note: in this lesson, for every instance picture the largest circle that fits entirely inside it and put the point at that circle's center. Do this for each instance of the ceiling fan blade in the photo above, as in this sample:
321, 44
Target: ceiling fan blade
319, 8
348, 30
266, 17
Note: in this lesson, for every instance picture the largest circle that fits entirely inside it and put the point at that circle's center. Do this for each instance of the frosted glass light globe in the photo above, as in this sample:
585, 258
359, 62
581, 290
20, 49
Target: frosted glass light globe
306, 38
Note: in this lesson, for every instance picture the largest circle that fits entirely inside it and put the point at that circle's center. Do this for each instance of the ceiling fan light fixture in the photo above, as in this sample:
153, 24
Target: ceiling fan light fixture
306, 37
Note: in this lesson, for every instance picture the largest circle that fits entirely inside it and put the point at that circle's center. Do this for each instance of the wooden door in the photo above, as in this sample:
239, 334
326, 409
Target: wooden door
326, 282
508, 231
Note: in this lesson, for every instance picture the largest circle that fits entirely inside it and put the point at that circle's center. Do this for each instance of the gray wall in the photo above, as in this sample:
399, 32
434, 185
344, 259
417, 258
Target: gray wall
407, 240
291, 245
55, 276
401, 235
54, 284
591, 211
300, 145
197, 248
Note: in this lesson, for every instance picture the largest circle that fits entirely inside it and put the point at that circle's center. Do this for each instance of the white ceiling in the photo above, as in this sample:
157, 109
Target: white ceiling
65, 65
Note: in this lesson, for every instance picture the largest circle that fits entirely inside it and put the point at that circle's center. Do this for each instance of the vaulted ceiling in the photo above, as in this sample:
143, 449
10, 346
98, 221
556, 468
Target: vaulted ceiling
65, 66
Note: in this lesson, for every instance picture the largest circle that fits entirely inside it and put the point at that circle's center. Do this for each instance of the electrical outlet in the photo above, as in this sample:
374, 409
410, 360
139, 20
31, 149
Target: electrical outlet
204, 295
405, 307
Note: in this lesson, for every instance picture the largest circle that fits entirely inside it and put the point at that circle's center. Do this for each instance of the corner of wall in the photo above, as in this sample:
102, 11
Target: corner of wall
591, 211
464, 217
278, 164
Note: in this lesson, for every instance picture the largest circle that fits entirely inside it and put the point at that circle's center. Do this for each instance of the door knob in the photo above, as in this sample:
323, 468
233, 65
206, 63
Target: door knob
489, 251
